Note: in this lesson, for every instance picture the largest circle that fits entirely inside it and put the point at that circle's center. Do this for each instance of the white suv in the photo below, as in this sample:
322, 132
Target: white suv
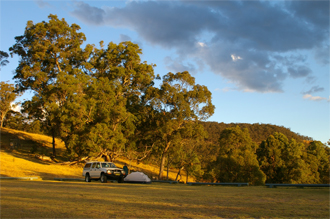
103, 171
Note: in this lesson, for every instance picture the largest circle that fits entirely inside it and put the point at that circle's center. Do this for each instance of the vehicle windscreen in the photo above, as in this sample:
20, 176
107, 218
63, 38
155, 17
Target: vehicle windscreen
108, 165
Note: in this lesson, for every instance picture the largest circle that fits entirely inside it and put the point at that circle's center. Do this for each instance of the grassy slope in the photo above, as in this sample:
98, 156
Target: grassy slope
21, 162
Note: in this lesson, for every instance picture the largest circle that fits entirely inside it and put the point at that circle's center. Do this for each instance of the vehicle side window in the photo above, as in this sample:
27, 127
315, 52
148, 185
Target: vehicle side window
87, 166
105, 165
98, 165
94, 164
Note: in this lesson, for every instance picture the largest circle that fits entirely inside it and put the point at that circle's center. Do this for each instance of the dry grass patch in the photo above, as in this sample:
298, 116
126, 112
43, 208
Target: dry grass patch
18, 165
29, 199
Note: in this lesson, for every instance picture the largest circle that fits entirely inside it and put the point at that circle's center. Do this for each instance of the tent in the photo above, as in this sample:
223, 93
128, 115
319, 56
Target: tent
137, 177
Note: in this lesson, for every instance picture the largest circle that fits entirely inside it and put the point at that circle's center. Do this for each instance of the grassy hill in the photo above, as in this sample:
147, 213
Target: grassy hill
19, 151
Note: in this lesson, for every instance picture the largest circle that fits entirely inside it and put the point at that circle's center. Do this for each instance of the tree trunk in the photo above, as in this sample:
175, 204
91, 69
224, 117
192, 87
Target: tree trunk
161, 169
162, 163
176, 178
187, 176
54, 151
168, 164
106, 157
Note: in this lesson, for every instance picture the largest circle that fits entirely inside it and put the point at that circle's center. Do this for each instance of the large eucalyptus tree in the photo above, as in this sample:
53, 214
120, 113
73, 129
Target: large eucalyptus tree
177, 103
47, 49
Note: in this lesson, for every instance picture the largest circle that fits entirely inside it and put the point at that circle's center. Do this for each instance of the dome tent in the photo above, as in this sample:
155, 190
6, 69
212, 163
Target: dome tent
137, 177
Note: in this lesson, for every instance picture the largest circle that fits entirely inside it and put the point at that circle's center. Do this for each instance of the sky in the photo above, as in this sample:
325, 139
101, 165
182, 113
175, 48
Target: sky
265, 62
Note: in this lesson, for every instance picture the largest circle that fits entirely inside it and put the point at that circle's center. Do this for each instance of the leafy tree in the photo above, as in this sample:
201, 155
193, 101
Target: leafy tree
237, 161
15, 120
47, 49
7, 96
270, 157
177, 103
102, 114
285, 161
318, 159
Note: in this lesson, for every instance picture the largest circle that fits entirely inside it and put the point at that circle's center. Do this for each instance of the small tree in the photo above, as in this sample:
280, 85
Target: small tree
7, 96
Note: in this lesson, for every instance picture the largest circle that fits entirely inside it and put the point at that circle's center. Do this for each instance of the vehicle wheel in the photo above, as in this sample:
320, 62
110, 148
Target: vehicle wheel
87, 178
103, 178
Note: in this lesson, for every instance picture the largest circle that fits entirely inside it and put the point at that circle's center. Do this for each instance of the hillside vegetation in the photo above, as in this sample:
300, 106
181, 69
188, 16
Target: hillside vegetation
258, 132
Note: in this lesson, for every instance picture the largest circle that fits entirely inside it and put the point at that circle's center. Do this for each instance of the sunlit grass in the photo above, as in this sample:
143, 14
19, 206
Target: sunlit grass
45, 199
17, 165
22, 163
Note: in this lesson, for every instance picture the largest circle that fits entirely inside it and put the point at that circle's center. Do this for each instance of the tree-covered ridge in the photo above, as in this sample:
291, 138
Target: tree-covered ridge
258, 132
277, 159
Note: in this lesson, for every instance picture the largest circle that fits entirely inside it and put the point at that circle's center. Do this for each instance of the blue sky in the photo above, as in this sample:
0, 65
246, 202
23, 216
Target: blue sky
264, 61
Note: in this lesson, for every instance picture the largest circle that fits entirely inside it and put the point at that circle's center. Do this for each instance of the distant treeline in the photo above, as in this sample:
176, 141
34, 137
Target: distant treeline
258, 132
262, 153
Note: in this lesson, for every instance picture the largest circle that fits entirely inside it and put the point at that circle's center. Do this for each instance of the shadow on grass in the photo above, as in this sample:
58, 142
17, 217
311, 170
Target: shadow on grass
27, 146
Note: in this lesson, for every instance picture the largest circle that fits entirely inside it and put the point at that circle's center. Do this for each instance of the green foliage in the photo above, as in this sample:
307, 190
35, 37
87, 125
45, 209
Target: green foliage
7, 96
258, 132
285, 161
318, 158
236, 160
47, 49
175, 104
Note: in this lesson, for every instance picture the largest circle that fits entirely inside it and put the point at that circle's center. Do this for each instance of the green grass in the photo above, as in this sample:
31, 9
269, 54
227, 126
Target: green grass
45, 199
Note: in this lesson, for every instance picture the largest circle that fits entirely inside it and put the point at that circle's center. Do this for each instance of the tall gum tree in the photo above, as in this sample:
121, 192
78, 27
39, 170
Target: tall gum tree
178, 102
47, 49
120, 80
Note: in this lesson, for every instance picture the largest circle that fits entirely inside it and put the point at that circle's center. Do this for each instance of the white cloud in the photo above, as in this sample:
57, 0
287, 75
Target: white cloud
16, 107
201, 44
235, 58
314, 98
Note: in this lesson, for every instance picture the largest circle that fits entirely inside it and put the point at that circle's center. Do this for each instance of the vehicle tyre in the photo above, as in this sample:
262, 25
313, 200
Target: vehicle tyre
103, 178
87, 178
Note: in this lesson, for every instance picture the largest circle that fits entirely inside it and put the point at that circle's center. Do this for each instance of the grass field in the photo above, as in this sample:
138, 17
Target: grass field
50, 199
46, 198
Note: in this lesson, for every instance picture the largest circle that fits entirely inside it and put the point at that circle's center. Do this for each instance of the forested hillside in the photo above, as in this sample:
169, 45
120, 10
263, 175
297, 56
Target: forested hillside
258, 132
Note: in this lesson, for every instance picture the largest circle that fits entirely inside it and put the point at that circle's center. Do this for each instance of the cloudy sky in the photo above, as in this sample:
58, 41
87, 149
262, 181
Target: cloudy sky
264, 61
